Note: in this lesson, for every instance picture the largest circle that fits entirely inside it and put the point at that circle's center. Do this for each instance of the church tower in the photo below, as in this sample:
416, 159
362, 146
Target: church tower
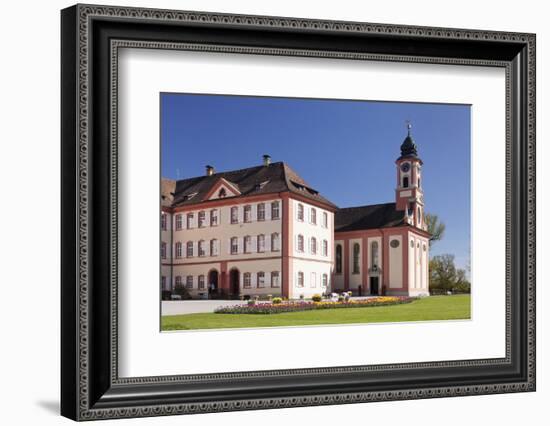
409, 195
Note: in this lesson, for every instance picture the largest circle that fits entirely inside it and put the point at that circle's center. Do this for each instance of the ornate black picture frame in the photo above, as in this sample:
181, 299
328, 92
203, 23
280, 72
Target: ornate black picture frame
91, 388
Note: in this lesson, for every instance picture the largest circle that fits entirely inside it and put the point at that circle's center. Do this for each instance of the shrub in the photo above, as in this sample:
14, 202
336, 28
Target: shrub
182, 291
301, 296
251, 302
277, 300
316, 298
341, 298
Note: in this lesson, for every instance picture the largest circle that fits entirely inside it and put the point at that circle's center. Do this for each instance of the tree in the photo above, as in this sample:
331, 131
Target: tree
436, 228
445, 277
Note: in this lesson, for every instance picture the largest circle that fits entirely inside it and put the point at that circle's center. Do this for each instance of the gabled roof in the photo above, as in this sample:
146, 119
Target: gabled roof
368, 217
264, 179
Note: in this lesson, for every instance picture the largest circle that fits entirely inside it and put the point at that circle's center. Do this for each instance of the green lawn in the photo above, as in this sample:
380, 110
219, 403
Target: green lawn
425, 309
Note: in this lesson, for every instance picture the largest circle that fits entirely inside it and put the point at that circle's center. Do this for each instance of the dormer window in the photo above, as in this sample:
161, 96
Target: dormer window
222, 193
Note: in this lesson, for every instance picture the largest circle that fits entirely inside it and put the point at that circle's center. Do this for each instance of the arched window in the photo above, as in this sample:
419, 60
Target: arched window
419, 216
300, 243
275, 242
248, 213
190, 217
234, 245
356, 258
313, 216
300, 279
202, 219
189, 248
247, 244
338, 258
261, 211
374, 254
406, 182
163, 250
178, 250
213, 247
202, 248
313, 245
234, 214
261, 279
179, 222
275, 210
419, 181
247, 280
275, 279
189, 281
261, 243
214, 217
222, 193
325, 220
301, 212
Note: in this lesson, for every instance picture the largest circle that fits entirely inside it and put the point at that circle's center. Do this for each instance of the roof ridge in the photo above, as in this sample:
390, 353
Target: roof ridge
219, 174
367, 205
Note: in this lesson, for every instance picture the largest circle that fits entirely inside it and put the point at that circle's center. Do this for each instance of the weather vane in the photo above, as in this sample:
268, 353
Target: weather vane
409, 126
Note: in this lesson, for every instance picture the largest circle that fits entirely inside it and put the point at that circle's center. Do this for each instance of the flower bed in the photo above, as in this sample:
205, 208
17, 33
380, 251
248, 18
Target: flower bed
269, 308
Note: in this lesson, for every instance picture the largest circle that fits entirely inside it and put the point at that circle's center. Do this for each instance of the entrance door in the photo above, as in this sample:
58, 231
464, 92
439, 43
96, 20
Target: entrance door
213, 284
234, 282
374, 286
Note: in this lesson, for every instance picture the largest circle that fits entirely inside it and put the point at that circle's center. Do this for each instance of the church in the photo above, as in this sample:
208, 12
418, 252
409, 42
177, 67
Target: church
264, 231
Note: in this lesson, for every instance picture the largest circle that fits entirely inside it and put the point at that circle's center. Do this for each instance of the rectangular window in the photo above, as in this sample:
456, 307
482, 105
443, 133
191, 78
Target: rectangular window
300, 279
189, 281
163, 222
234, 245
179, 250
261, 279
178, 281
163, 282
248, 213
179, 222
325, 248
247, 280
325, 280
202, 249
313, 282
163, 250
190, 218
261, 211
275, 210
234, 215
261, 243
325, 219
189, 249
275, 279
247, 244
201, 282
214, 217
202, 219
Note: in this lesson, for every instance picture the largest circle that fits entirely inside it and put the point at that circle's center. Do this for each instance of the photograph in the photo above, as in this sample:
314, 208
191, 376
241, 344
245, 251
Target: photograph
286, 212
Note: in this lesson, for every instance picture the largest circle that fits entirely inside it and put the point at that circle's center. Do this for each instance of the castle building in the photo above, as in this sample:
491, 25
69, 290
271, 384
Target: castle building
264, 231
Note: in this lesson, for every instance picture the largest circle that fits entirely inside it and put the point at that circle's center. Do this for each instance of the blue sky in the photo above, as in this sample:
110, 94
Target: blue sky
344, 149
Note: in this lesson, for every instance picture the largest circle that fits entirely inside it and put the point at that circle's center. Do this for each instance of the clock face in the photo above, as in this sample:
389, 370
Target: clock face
405, 167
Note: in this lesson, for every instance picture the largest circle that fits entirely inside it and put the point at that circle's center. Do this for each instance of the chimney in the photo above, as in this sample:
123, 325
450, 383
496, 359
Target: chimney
267, 160
209, 170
